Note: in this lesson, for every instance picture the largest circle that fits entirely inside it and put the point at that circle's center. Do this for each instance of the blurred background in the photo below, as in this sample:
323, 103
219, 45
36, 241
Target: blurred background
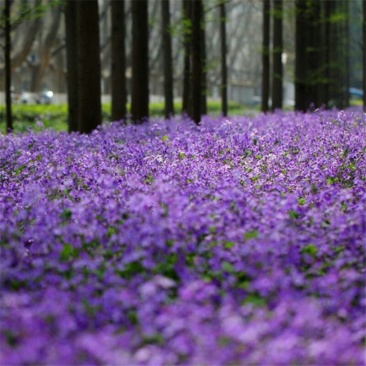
38, 52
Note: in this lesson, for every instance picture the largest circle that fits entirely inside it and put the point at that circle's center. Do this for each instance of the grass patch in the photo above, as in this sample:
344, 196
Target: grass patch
54, 116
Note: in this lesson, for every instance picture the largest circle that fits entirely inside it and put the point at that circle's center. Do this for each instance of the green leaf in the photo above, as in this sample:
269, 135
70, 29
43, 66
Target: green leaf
11, 337
251, 234
229, 244
301, 201
293, 214
68, 252
19, 169
227, 267
66, 214
310, 249
254, 299
111, 231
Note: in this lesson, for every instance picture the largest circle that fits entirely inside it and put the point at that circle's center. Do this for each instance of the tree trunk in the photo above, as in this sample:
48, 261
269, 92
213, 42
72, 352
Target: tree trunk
265, 55
364, 56
72, 64
140, 62
324, 43
7, 48
32, 31
187, 30
118, 50
346, 55
224, 103
89, 73
307, 66
204, 63
196, 80
167, 59
277, 71
45, 56
300, 52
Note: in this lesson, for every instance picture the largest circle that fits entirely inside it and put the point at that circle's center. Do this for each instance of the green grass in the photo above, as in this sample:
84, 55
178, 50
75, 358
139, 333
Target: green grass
54, 116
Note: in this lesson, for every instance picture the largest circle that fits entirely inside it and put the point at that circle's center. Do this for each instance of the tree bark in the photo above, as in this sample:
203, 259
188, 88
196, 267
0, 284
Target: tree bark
307, 67
265, 55
300, 60
140, 62
204, 62
89, 73
364, 56
72, 64
196, 80
187, 30
118, 50
224, 102
277, 71
7, 48
167, 59
346, 55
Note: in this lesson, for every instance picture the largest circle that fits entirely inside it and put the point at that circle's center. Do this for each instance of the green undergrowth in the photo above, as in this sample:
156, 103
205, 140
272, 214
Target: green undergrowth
54, 116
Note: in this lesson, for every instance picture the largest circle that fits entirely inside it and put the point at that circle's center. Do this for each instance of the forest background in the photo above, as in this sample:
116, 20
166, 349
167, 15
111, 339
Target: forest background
258, 54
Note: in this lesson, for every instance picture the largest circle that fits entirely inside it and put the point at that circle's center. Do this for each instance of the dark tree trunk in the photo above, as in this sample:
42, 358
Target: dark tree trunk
118, 53
346, 56
72, 64
7, 30
140, 62
224, 104
167, 59
204, 63
196, 80
187, 29
300, 58
338, 54
265, 55
364, 55
307, 67
324, 43
277, 71
89, 73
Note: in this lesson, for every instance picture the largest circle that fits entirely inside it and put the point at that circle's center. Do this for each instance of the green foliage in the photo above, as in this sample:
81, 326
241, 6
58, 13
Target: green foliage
54, 116
293, 214
68, 252
251, 234
310, 249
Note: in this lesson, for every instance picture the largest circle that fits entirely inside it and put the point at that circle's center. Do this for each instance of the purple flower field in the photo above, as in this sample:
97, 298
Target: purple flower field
239, 242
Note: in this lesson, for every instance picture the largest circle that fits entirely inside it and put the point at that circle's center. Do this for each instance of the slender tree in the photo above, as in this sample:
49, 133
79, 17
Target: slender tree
118, 56
277, 71
346, 53
307, 67
89, 73
196, 80
140, 62
364, 55
265, 55
72, 63
204, 62
167, 59
7, 49
45, 51
33, 19
224, 102
187, 33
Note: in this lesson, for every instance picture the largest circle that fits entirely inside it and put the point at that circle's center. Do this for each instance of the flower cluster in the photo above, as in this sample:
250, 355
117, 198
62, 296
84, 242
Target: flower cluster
240, 241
